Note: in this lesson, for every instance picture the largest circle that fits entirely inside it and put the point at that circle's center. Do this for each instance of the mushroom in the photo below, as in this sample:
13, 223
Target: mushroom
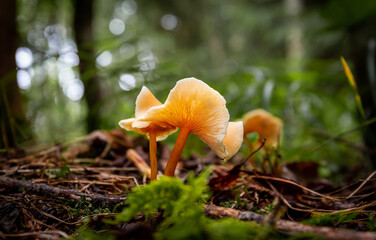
234, 138
265, 124
155, 132
195, 108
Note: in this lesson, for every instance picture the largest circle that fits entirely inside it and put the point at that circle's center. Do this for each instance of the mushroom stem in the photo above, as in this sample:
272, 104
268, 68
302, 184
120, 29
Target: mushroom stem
176, 152
153, 155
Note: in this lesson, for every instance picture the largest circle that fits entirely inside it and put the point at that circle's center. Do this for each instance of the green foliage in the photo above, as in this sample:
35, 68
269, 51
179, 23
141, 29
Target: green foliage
84, 207
182, 207
265, 210
233, 229
169, 195
306, 236
59, 172
87, 234
223, 43
330, 219
347, 13
242, 204
371, 223
253, 137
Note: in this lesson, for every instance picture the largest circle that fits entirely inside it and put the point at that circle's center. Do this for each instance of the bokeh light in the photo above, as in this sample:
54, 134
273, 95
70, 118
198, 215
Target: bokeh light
169, 22
23, 79
104, 59
24, 57
117, 26
127, 82
75, 90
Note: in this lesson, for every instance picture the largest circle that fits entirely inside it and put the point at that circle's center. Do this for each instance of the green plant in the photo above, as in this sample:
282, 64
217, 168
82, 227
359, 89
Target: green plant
371, 224
59, 173
88, 234
182, 208
330, 219
84, 207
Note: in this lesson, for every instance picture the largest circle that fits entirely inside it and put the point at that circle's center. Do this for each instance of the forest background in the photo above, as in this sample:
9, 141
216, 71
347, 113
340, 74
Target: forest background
71, 67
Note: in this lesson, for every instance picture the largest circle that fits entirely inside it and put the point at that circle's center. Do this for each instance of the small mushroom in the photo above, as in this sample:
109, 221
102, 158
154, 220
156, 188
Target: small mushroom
265, 124
155, 132
195, 108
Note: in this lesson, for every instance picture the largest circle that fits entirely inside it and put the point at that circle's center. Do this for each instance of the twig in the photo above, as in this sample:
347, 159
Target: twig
40, 234
252, 153
43, 189
361, 185
295, 184
139, 162
289, 227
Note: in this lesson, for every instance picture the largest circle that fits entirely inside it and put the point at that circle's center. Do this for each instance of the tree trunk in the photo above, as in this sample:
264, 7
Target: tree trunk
12, 112
84, 37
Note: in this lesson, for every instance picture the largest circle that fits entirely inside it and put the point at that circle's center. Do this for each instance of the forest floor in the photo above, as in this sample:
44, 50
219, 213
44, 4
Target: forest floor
53, 193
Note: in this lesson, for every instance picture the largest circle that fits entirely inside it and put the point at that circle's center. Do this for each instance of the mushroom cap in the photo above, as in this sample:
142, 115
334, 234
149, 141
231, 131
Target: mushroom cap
144, 101
194, 105
233, 139
160, 131
265, 124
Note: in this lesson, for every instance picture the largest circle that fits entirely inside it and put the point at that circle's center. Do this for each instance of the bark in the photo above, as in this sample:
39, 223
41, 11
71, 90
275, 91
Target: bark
83, 18
11, 110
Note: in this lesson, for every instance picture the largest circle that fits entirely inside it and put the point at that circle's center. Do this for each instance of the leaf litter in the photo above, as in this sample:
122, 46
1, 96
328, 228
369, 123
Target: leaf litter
53, 193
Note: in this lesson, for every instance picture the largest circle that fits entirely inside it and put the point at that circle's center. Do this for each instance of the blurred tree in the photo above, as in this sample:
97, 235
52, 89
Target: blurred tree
11, 109
83, 18
256, 53
362, 53
359, 22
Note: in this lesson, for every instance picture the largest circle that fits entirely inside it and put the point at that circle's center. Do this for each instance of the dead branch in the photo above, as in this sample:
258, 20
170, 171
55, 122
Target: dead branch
289, 227
46, 190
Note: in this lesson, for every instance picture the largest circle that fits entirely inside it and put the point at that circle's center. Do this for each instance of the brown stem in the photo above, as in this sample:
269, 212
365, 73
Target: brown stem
176, 152
153, 155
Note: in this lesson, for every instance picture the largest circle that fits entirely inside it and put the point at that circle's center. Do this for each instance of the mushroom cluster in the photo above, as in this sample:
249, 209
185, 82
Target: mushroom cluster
194, 107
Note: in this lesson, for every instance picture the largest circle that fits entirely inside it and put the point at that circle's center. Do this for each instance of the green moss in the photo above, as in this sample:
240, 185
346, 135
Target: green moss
330, 219
183, 216
182, 207
371, 224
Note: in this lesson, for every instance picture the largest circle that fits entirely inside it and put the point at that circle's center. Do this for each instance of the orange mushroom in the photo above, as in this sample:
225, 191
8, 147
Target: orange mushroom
195, 108
155, 132
265, 124
234, 138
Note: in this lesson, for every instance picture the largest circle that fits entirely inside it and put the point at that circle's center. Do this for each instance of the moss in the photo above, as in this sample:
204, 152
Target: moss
330, 219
